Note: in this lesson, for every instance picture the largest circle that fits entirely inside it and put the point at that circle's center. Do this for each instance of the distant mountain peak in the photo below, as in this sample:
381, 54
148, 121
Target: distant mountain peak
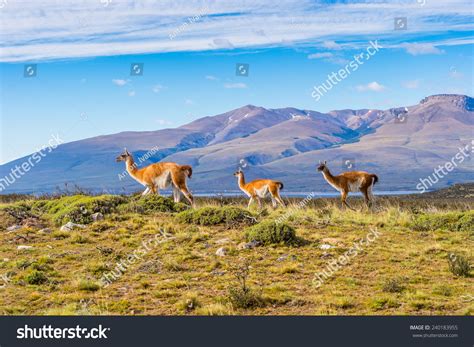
462, 101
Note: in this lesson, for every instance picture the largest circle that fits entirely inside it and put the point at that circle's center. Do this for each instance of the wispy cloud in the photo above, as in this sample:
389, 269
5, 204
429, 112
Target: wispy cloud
120, 82
320, 55
164, 122
372, 86
238, 85
413, 84
157, 88
132, 93
73, 29
422, 48
211, 78
331, 45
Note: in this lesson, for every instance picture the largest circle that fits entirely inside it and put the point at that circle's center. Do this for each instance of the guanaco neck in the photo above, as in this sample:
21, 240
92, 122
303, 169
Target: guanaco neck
131, 166
242, 181
328, 176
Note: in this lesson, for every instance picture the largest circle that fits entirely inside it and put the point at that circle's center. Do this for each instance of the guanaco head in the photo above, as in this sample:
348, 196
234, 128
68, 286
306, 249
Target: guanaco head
124, 156
322, 165
238, 173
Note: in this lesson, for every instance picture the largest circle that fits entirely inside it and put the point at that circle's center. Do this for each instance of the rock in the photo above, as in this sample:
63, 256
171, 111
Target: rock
221, 252
69, 226
216, 272
222, 241
44, 231
249, 245
24, 247
285, 256
97, 217
331, 241
13, 228
325, 246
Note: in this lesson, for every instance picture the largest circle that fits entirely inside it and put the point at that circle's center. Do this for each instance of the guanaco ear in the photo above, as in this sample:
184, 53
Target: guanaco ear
319, 162
126, 152
325, 162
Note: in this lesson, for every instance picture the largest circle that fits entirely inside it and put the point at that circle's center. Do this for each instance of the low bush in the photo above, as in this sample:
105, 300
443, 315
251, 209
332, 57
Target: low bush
393, 285
241, 295
36, 277
228, 215
153, 203
78, 208
459, 265
450, 221
269, 232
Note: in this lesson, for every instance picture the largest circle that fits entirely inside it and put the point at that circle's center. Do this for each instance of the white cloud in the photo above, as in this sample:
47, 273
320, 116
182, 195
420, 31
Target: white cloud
222, 43
422, 48
75, 29
320, 55
331, 45
157, 88
189, 102
164, 122
211, 78
119, 82
414, 84
372, 86
235, 85
131, 93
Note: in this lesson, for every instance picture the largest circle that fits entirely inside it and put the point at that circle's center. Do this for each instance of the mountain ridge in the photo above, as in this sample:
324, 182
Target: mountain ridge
281, 143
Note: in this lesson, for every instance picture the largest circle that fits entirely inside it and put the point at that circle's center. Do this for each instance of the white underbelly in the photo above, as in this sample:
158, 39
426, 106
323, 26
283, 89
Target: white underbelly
262, 192
355, 186
163, 181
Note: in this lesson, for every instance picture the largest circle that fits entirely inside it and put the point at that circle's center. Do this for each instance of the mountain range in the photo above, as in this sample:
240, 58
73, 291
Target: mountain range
401, 145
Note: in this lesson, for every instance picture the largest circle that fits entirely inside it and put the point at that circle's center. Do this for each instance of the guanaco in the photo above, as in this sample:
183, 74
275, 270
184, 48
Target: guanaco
160, 176
260, 189
351, 181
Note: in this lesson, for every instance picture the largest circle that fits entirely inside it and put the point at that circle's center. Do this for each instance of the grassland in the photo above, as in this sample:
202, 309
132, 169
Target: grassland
263, 268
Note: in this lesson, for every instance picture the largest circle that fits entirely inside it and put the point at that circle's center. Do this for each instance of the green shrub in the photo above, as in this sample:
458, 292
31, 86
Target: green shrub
450, 221
228, 215
153, 203
241, 295
393, 285
459, 265
36, 277
268, 232
78, 208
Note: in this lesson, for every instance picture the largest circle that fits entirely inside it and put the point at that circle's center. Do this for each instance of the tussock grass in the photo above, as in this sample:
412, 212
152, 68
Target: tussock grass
208, 215
270, 232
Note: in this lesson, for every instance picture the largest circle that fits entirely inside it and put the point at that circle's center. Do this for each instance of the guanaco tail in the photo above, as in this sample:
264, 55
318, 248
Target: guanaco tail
160, 176
351, 181
260, 189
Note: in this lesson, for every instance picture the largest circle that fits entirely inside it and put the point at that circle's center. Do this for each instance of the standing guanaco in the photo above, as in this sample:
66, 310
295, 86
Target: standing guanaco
160, 176
351, 181
260, 189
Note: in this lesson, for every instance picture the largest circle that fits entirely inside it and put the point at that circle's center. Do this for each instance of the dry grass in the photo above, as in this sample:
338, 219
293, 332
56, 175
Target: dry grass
403, 272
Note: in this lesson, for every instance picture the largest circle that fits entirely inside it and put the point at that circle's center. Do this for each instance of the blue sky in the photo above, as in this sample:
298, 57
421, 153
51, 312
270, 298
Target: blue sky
83, 54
